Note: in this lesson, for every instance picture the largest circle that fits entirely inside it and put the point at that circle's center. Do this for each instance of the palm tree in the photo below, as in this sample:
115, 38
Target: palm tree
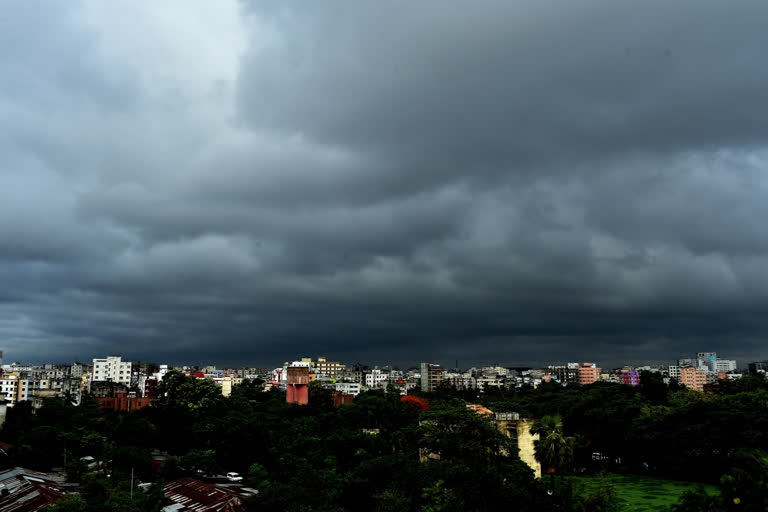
553, 449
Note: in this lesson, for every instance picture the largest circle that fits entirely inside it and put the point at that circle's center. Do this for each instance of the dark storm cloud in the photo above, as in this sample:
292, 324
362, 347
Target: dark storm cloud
515, 182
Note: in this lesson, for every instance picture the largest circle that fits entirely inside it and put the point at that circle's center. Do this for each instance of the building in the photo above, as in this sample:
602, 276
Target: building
190, 495
725, 365
758, 368
122, 401
111, 369
376, 378
709, 362
431, 376
347, 388
296, 385
9, 388
588, 373
339, 399
693, 378
22, 490
519, 429
324, 367
107, 389
564, 375
630, 377
511, 425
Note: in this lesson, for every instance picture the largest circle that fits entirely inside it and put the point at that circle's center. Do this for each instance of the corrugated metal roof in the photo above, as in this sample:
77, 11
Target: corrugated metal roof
27, 493
199, 496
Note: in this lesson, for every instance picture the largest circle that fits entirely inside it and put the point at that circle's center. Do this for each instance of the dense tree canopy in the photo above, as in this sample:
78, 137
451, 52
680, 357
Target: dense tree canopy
366, 456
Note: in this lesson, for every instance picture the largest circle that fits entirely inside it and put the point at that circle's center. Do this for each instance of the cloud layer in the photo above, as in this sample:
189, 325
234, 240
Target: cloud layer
518, 182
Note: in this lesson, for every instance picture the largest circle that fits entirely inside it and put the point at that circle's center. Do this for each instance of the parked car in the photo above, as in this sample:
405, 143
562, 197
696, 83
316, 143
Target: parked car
234, 477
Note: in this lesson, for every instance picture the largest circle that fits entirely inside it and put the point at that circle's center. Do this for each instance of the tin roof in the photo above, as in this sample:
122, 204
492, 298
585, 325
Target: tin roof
197, 496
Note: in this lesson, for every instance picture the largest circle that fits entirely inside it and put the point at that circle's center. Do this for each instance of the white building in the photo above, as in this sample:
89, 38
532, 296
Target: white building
709, 362
9, 388
348, 388
725, 365
111, 369
376, 378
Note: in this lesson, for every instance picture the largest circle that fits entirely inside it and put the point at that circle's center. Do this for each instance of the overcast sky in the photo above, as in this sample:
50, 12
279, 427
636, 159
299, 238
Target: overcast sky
519, 182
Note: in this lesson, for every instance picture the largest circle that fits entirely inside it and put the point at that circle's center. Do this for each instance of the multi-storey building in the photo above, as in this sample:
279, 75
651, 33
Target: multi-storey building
77, 370
9, 388
347, 388
630, 377
111, 369
709, 362
693, 378
565, 375
588, 373
376, 378
431, 376
725, 365
324, 367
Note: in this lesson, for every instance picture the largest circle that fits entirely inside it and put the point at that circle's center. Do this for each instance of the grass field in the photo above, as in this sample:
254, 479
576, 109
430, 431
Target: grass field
641, 493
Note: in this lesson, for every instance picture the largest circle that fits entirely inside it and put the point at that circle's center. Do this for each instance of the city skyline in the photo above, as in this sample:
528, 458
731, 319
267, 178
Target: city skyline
446, 365
508, 181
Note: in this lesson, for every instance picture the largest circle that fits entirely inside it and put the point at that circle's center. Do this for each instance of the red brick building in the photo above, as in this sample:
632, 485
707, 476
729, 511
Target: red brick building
124, 402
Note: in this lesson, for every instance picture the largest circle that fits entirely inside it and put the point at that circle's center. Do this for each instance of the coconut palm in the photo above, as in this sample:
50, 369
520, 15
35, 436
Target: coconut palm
553, 449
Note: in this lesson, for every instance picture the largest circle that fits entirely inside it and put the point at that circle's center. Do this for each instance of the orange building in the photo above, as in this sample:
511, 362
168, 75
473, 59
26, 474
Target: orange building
589, 373
693, 378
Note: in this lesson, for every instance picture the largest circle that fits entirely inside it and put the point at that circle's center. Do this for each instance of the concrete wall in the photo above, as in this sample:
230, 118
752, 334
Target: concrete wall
525, 444
520, 430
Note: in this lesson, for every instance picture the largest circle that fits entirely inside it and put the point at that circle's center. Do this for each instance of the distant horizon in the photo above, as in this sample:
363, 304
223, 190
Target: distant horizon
742, 365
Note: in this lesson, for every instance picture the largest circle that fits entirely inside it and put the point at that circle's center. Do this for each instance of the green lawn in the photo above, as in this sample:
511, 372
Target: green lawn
641, 493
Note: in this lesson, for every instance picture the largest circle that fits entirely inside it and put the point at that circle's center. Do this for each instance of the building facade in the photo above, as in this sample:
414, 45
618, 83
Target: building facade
431, 376
693, 378
111, 369
588, 373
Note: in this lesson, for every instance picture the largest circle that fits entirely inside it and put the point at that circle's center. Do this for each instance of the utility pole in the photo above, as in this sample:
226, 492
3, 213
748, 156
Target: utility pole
131, 484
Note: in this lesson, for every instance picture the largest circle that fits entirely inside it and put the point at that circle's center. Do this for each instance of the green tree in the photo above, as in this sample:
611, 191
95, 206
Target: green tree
200, 460
438, 498
183, 391
250, 389
71, 503
553, 449
257, 474
652, 387
391, 500
745, 485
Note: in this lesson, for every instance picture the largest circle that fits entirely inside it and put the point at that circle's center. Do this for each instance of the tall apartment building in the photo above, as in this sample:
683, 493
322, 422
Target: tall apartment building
431, 376
9, 388
588, 373
693, 378
111, 369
